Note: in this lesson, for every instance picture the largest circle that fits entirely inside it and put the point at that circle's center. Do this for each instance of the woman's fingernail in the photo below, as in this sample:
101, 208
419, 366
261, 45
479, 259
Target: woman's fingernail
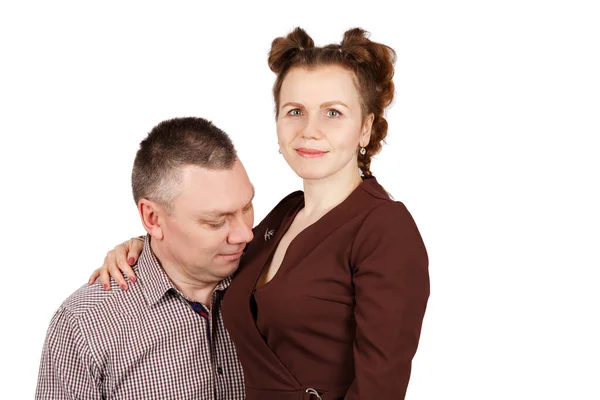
124, 287
131, 260
106, 287
132, 279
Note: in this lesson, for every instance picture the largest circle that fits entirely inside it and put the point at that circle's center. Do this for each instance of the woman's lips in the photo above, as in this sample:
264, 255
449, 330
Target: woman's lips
310, 153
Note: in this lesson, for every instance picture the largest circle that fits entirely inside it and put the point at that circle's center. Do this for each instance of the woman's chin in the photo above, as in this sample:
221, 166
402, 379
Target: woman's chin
311, 173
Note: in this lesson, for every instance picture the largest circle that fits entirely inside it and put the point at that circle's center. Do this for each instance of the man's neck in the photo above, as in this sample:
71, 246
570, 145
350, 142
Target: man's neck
194, 288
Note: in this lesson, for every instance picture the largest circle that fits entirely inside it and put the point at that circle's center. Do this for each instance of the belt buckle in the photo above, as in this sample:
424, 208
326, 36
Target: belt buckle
312, 391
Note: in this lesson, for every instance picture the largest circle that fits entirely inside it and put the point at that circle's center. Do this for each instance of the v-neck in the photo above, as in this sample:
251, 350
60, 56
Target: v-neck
287, 222
285, 226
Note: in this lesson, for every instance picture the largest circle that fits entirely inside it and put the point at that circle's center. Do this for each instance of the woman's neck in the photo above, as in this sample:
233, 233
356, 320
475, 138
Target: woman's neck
321, 195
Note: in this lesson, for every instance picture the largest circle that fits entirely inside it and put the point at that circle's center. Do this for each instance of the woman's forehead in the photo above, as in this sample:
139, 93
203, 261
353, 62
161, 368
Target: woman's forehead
320, 84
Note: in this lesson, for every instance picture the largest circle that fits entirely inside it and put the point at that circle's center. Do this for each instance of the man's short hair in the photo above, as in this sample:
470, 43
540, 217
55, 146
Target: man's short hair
171, 145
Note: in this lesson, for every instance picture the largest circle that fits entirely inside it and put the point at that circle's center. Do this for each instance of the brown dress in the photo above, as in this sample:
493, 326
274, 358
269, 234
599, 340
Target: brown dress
343, 314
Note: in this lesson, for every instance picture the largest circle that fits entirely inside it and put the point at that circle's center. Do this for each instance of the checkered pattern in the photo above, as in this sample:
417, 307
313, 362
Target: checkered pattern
144, 343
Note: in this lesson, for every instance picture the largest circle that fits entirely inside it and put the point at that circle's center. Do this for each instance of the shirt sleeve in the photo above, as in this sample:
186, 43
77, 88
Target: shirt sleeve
67, 370
391, 279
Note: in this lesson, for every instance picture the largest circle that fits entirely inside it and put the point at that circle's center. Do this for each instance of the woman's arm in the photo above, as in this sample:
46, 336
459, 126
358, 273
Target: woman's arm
117, 262
391, 291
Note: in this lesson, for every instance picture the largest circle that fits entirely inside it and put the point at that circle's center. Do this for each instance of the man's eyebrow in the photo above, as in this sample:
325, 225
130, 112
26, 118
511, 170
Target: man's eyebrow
218, 214
251, 198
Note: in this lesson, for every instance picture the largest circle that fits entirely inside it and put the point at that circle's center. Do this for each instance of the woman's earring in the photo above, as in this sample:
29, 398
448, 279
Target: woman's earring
362, 151
279, 150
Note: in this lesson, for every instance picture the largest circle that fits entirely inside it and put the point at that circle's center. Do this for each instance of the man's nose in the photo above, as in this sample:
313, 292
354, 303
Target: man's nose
240, 232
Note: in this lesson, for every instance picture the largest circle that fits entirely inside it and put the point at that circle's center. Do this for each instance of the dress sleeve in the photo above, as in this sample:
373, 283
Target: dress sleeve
67, 370
391, 280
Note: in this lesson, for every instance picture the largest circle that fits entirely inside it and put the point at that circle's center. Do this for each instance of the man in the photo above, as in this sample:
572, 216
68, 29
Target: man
164, 337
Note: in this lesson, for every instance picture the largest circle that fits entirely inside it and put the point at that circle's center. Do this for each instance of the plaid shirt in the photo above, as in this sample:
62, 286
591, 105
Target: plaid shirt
144, 343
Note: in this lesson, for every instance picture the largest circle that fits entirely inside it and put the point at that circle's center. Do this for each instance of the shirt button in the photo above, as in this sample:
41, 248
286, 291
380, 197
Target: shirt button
219, 370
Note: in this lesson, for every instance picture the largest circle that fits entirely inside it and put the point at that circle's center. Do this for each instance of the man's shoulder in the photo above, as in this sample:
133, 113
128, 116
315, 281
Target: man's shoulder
91, 299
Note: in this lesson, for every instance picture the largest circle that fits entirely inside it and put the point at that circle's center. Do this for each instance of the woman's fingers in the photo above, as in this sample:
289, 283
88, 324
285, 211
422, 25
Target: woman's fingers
117, 263
94, 276
135, 247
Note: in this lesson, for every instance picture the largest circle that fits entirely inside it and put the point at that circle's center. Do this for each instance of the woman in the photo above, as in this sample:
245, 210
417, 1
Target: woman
330, 295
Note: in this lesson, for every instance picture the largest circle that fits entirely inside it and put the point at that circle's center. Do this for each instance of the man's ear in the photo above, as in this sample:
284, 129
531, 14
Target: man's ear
151, 214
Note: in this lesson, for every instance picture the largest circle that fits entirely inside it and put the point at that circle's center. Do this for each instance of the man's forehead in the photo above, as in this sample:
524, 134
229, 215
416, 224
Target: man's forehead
228, 209
214, 190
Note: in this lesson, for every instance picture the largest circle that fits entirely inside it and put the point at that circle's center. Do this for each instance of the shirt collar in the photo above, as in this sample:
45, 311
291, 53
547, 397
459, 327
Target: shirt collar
153, 278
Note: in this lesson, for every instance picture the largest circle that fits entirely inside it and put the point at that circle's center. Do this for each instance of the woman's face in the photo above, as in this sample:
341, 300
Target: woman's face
320, 125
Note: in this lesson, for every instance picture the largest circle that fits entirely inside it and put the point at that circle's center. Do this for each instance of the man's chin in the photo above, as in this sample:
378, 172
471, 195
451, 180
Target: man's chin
226, 268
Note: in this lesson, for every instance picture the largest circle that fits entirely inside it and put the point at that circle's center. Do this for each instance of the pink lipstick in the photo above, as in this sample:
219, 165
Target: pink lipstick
310, 153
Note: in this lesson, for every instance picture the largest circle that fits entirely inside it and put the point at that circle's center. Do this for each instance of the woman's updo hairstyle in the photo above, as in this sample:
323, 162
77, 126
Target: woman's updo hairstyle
371, 62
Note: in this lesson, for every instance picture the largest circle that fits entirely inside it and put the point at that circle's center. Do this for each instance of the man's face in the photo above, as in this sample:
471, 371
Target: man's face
210, 222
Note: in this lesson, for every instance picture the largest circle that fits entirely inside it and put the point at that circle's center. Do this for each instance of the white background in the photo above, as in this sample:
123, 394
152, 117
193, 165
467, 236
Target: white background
492, 147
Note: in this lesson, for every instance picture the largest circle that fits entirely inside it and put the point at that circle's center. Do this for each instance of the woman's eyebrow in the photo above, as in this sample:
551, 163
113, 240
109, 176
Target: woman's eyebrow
293, 104
333, 102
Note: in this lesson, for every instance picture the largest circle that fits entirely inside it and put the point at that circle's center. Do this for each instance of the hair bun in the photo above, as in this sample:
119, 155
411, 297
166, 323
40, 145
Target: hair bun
357, 46
286, 49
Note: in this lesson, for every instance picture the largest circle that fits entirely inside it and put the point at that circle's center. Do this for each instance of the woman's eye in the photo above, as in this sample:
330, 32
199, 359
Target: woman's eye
216, 225
295, 111
333, 113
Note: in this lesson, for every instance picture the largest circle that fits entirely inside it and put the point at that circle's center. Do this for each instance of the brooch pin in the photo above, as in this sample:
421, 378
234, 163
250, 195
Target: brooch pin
269, 234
